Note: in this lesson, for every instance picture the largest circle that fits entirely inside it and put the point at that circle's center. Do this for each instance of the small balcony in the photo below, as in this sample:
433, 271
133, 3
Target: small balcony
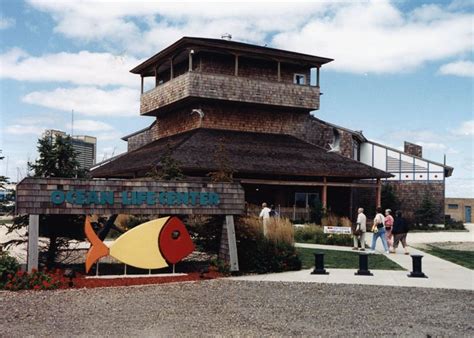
229, 88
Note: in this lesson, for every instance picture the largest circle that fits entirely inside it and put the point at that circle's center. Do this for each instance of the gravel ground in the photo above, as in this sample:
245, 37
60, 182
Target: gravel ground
224, 308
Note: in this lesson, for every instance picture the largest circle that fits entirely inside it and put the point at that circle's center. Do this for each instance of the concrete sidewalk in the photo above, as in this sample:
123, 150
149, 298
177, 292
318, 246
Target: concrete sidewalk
441, 273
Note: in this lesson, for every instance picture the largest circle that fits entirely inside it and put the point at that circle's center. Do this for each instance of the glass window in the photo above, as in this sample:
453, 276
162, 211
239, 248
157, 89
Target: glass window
300, 200
299, 79
452, 206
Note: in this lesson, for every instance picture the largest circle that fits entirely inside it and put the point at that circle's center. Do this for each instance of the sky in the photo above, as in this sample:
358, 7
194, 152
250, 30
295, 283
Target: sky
403, 70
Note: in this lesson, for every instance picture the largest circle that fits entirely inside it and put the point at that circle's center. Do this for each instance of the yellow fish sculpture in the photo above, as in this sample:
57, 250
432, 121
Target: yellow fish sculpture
150, 245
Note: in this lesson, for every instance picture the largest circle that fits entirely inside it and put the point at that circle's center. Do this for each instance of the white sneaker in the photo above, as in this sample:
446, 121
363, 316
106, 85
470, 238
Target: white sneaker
387, 252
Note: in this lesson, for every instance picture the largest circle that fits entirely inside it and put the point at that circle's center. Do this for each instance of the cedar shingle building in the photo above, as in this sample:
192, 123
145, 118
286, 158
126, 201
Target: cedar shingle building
256, 101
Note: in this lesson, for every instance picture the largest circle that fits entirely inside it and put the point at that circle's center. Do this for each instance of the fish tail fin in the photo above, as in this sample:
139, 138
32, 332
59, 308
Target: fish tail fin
98, 249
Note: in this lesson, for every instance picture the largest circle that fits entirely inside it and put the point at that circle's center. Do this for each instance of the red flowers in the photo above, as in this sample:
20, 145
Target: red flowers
36, 280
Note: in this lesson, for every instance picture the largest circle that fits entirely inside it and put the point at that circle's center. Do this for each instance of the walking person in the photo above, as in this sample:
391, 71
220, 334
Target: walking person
265, 216
388, 228
360, 230
378, 228
400, 230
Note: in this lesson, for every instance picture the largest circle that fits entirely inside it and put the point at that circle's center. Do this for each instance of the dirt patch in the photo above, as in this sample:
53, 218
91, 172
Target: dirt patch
461, 246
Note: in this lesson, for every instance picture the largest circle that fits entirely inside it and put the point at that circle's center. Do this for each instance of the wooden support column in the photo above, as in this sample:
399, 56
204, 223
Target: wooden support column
234, 260
236, 70
279, 71
157, 81
317, 77
379, 193
32, 253
171, 69
190, 60
325, 193
141, 90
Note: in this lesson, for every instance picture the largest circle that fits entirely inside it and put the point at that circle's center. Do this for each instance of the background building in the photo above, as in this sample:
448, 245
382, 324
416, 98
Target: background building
84, 146
459, 209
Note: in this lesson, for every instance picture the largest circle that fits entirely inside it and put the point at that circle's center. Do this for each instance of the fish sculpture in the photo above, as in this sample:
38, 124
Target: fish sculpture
150, 245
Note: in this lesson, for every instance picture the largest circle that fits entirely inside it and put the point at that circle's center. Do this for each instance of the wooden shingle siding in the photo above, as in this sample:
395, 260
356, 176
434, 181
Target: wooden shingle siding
229, 88
34, 197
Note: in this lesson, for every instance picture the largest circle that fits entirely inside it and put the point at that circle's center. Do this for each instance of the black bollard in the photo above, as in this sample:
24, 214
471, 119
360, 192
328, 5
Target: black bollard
319, 264
363, 265
417, 267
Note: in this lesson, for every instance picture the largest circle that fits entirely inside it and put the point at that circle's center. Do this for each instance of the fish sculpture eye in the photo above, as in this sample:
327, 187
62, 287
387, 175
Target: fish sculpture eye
175, 234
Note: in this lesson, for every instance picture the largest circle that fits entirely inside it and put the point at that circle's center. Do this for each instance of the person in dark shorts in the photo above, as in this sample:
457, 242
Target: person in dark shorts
399, 231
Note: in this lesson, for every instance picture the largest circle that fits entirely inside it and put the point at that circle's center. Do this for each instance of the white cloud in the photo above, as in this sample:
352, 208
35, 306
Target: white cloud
376, 37
89, 101
90, 125
466, 129
458, 68
22, 129
363, 36
82, 68
6, 22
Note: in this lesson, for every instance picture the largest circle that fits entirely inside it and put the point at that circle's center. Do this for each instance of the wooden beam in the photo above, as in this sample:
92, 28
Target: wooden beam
307, 183
317, 77
279, 71
379, 193
324, 198
171, 69
190, 59
236, 70
231, 240
33, 233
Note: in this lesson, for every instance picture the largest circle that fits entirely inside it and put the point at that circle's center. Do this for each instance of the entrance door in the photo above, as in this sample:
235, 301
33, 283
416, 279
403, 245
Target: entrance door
467, 214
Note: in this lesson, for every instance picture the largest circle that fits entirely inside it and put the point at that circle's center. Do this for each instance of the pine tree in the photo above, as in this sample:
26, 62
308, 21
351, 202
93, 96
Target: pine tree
169, 169
389, 198
428, 211
224, 172
3, 179
56, 158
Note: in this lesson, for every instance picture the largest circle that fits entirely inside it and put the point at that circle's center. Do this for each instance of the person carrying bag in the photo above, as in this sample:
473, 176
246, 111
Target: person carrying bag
378, 228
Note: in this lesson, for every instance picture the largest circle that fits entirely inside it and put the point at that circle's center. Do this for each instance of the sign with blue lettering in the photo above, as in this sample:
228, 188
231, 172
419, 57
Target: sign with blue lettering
165, 198
145, 197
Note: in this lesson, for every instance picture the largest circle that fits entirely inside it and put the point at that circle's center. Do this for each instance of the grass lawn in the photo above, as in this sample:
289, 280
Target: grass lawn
463, 258
345, 260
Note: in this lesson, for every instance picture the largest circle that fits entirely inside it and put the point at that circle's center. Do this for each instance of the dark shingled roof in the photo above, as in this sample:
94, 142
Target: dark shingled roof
231, 47
248, 153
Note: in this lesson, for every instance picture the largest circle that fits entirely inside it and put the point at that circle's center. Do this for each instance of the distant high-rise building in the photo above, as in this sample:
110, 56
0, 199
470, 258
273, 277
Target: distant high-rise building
84, 146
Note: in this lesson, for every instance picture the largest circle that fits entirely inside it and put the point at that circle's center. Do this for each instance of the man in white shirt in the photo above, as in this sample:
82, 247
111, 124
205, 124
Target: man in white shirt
362, 226
265, 216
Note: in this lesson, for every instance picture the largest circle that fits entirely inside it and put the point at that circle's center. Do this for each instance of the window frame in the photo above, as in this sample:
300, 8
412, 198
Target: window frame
299, 75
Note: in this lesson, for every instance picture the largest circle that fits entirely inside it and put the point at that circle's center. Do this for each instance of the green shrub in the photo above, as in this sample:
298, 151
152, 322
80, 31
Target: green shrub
36, 280
206, 232
315, 234
8, 265
261, 255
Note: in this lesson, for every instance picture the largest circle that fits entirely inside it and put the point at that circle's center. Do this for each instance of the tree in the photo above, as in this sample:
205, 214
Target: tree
224, 172
428, 212
389, 198
169, 168
57, 158
3, 179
